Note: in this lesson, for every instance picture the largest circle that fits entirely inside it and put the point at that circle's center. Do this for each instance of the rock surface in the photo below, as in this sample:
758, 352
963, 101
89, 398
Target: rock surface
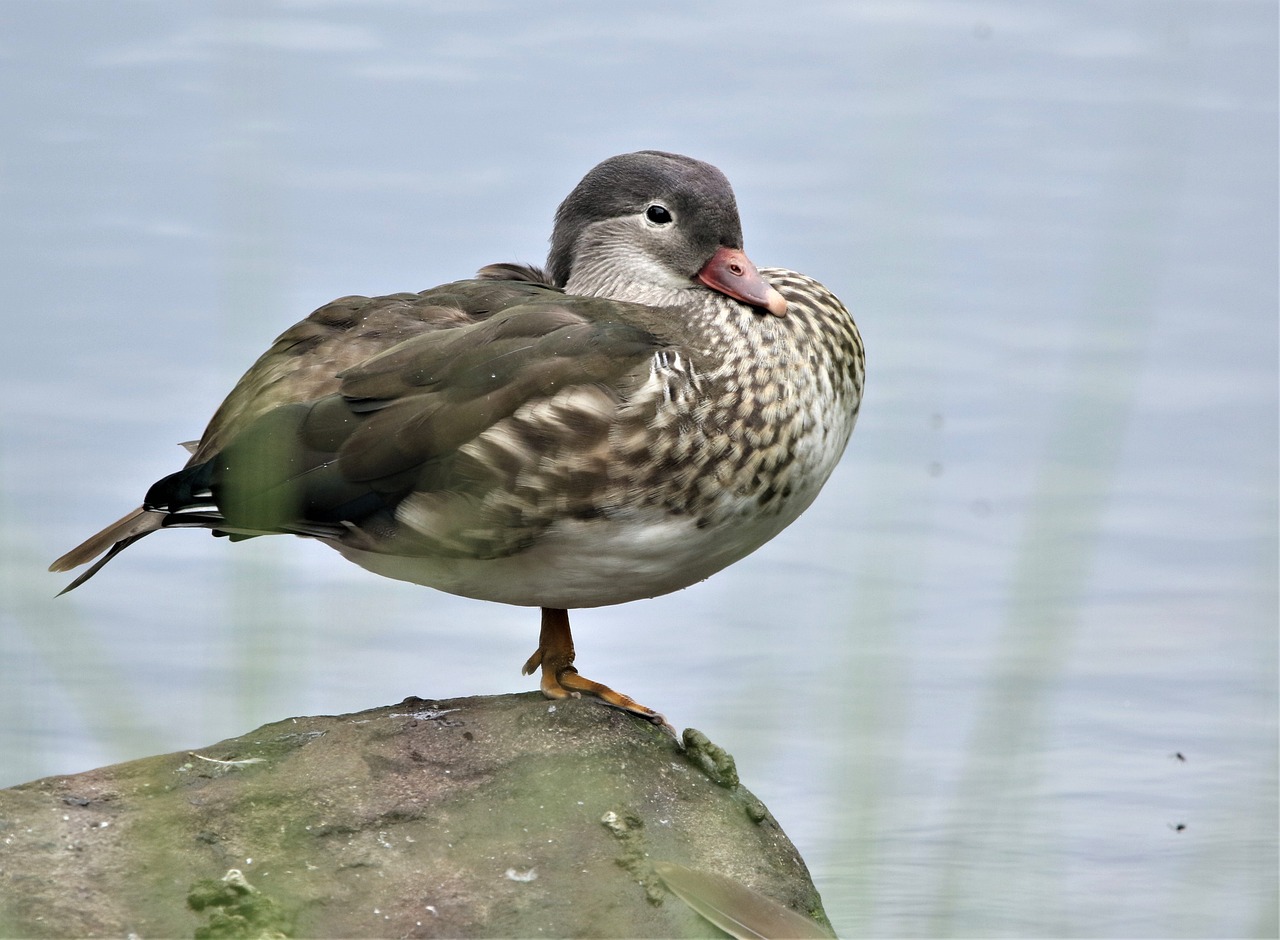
504, 816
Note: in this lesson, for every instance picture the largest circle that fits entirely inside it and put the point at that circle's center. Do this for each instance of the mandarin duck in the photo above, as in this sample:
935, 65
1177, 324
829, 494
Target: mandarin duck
624, 423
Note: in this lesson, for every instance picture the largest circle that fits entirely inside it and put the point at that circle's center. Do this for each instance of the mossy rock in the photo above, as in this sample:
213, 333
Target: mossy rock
504, 816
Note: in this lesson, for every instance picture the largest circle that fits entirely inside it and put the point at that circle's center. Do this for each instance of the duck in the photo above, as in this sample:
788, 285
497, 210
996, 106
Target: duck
640, 413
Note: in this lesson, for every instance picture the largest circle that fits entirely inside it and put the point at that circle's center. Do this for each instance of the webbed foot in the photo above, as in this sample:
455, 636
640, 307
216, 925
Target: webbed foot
561, 680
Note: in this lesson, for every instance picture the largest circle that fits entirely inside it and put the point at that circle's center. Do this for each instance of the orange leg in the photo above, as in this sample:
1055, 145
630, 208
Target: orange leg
561, 680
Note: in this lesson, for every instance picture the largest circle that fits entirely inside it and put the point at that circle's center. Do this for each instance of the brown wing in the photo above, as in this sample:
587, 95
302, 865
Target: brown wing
399, 427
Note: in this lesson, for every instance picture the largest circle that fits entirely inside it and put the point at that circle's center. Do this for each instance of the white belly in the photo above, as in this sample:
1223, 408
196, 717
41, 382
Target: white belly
591, 563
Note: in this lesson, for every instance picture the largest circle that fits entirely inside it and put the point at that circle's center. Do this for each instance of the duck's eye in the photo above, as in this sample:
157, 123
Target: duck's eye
658, 215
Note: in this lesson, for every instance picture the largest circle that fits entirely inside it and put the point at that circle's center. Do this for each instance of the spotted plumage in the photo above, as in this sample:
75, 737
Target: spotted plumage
643, 413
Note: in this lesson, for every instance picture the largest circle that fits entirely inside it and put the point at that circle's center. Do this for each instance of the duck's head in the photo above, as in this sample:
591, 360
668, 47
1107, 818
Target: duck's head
642, 225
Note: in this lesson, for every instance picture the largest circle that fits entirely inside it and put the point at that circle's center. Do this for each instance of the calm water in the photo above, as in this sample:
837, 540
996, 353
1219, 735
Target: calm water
1047, 565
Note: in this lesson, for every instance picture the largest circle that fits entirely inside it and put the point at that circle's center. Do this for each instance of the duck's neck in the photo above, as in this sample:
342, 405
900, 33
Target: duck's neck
617, 287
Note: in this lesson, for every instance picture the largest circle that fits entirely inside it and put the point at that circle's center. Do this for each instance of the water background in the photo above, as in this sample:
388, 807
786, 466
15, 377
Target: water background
1046, 567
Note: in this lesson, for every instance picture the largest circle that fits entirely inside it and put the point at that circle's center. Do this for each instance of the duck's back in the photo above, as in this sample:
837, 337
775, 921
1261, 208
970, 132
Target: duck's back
305, 362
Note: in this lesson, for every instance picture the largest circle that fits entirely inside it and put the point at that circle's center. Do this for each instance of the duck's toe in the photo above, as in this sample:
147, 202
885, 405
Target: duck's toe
560, 680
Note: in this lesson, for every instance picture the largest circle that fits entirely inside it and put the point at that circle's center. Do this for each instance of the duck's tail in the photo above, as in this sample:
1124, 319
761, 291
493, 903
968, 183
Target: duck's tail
108, 543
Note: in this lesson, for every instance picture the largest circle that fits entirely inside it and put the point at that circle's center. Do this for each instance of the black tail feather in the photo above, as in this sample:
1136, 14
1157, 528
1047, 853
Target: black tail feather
189, 488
